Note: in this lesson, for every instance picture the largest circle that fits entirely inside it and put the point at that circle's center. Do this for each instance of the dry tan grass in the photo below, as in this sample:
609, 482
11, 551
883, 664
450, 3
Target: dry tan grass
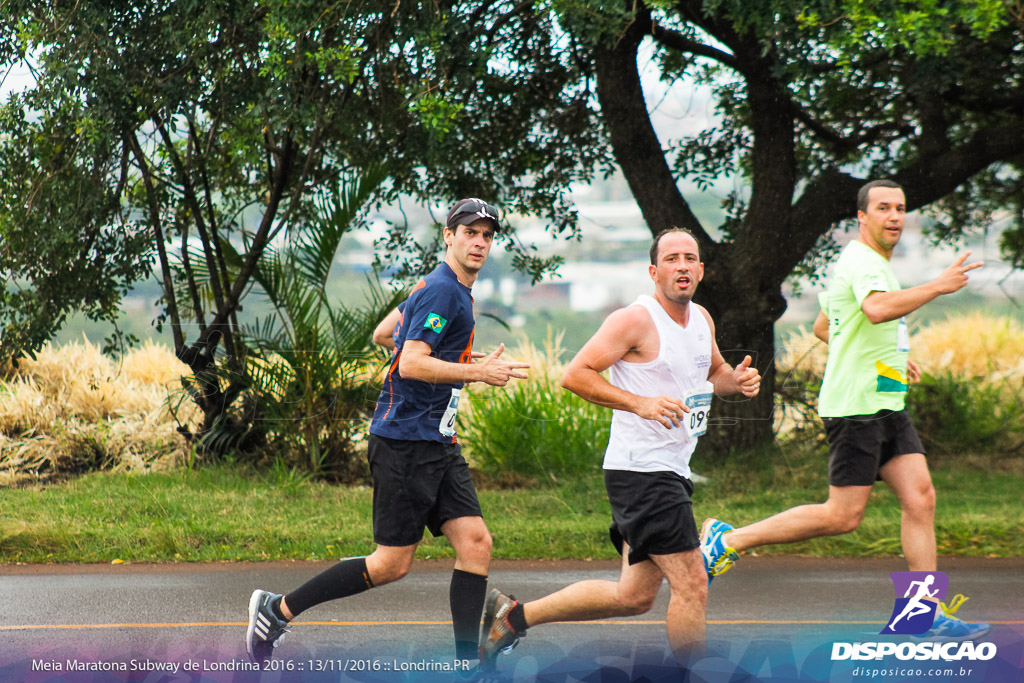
153, 364
802, 351
546, 361
73, 408
987, 350
976, 345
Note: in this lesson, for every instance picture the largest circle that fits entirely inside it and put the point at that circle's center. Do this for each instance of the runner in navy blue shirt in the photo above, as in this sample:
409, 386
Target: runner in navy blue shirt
439, 313
420, 477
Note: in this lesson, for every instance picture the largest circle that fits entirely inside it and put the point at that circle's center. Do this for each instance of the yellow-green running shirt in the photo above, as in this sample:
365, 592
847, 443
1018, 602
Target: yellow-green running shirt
867, 364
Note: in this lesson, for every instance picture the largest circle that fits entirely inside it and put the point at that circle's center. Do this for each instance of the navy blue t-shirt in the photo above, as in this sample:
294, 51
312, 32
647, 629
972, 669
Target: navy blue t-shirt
439, 312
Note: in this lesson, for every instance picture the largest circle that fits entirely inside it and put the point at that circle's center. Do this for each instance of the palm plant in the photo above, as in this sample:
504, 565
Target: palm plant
307, 361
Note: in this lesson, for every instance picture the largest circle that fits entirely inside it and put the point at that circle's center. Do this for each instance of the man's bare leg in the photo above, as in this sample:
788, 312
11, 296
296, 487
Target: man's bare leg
909, 479
686, 621
840, 514
633, 593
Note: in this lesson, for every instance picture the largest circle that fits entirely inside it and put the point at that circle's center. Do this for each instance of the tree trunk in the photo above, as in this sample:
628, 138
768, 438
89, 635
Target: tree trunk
787, 211
744, 326
741, 291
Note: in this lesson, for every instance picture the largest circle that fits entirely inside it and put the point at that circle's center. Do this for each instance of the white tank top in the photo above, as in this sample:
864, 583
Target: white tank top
684, 358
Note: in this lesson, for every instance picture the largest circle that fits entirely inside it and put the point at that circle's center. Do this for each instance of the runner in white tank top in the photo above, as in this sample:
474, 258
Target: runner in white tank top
681, 367
657, 351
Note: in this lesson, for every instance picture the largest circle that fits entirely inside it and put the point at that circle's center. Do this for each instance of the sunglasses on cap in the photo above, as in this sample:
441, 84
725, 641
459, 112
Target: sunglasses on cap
467, 211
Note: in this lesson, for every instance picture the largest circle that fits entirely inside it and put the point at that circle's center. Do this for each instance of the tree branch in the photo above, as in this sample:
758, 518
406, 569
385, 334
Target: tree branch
841, 145
221, 263
935, 175
197, 210
676, 41
158, 236
635, 144
190, 278
281, 179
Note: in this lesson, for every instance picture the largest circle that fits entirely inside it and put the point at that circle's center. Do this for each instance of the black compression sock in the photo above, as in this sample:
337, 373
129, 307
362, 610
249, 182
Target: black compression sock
517, 618
466, 596
275, 607
346, 578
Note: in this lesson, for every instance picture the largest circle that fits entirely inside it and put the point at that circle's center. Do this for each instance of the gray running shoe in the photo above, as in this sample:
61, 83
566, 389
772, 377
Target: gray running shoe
496, 632
265, 630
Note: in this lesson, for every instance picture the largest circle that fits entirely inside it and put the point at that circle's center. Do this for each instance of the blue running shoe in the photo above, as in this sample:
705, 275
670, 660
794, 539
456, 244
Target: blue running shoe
946, 627
718, 557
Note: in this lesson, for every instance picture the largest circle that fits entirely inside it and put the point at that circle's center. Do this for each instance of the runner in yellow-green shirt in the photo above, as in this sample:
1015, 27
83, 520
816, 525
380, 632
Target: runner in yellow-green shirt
870, 435
867, 362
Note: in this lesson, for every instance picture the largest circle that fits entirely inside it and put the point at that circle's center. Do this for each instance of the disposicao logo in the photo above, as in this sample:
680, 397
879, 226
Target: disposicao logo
947, 652
435, 322
913, 613
917, 596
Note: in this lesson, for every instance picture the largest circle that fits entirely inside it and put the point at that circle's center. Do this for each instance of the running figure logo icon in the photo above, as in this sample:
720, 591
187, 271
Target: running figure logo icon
917, 600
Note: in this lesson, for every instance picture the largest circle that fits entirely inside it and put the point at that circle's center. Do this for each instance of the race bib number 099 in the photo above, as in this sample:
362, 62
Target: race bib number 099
699, 403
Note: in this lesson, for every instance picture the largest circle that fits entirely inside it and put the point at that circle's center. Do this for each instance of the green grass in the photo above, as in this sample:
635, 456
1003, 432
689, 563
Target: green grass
978, 506
220, 513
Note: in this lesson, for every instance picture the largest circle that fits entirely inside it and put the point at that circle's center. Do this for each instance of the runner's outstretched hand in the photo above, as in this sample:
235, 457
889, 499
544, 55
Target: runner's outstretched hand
498, 372
955, 277
913, 372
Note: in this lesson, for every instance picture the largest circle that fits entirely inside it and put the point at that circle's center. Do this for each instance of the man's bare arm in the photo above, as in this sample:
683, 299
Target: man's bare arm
417, 363
820, 328
383, 334
881, 307
621, 333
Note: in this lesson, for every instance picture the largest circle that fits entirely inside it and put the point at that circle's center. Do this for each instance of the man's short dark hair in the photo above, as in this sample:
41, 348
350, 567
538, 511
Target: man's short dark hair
657, 241
862, 193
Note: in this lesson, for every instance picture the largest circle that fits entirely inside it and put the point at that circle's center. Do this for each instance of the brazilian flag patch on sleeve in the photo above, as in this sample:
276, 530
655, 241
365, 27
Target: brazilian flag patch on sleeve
435, 322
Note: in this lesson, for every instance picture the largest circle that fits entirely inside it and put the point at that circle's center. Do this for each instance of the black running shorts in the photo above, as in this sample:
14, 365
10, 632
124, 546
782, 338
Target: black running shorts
417, 484
860, 445
652, 512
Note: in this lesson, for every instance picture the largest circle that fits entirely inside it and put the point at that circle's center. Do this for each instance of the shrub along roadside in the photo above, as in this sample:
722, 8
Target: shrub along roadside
221, 513
533, 431
970, 399
74, 410
953, 413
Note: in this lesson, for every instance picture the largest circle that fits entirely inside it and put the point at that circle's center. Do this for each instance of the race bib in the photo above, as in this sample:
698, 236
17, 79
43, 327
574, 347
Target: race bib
903, 337
699, 403
447, 426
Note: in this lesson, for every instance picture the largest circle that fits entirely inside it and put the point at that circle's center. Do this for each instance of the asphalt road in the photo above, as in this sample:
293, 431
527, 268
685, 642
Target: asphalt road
768, 619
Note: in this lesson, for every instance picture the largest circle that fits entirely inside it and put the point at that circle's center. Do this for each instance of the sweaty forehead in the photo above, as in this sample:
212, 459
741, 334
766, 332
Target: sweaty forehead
886, 195
677, 243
